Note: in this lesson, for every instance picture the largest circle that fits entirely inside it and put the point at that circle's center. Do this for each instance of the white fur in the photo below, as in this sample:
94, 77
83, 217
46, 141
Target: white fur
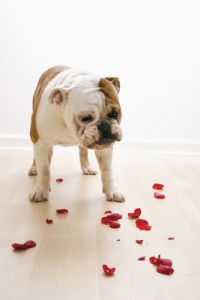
70, 96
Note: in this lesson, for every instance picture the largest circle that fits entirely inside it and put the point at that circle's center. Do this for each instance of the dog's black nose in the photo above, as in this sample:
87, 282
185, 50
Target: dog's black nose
106, 136
105, 128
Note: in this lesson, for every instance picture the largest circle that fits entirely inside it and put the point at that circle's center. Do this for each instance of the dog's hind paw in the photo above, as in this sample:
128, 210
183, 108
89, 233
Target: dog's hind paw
115, 197
32, 171
88, 171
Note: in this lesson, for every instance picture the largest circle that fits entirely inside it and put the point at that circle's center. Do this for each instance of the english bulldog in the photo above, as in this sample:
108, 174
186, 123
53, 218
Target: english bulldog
73, 107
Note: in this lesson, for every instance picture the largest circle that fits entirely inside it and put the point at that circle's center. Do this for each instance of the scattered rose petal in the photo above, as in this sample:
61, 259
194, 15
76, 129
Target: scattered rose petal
62, 210
59, 180
171, 238
114, 224
158, 186
153, 260
160, 261
141, 258
164, 261
114, 216
105, 220
159, 196
108, 212
17, 246
142, 224
139, 241
49, 221
30, 244
137, 212
166, 270
118, 240
110, 219
108, 271
25, 246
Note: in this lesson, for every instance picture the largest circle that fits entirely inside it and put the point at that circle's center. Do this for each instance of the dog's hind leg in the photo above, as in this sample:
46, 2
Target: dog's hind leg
33, 170
85, 165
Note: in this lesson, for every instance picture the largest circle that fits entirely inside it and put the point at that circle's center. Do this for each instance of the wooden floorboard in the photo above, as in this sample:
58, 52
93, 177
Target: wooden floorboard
67, 261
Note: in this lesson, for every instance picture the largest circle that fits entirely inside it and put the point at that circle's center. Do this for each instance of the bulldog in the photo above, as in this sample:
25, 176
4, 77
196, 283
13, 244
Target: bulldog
73, 107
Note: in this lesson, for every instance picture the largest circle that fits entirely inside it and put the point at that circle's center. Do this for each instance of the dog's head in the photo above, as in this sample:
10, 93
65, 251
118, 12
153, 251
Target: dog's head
92, 110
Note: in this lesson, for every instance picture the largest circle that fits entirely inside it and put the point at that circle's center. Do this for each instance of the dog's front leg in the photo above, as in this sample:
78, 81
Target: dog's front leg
41, 189
85, 165
104, 158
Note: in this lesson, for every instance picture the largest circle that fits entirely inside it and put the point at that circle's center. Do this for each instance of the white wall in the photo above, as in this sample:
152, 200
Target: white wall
152, 45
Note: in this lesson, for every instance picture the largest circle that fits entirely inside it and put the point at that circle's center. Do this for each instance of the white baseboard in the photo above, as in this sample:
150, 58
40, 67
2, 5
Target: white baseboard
15, 141
189, 147
186, 147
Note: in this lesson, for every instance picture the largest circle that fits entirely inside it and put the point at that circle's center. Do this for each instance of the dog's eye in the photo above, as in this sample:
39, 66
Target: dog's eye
87, 119
113, 114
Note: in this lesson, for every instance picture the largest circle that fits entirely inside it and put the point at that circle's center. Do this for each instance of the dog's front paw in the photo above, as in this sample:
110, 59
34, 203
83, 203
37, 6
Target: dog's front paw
38, 196
88, 171
115, 197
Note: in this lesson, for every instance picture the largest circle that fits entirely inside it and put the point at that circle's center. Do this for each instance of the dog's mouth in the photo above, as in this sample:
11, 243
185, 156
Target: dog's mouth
103, 143
100, 136
106, 141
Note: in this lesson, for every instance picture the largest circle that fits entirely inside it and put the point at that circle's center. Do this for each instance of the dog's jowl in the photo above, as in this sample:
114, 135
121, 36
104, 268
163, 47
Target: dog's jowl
72, 107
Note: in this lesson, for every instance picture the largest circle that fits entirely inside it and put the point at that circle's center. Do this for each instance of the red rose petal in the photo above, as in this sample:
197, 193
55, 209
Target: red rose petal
111, 217
153, 260
25, 246
114, 216
166, 270
17, 246
137, 212
58, 180
114, 224
49, 221
160, 261
171, 238
105, 220
141, 258
159, 196
142, 224
158, 186
62, 210
30, 244
108, 212
164, 262
139, 241
108, 271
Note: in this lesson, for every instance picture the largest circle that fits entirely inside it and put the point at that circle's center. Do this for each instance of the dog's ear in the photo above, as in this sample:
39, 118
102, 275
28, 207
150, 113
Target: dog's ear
115, 81
58, 95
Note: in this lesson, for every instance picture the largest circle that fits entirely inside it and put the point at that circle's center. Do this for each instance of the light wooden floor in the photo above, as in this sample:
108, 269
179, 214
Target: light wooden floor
67, 261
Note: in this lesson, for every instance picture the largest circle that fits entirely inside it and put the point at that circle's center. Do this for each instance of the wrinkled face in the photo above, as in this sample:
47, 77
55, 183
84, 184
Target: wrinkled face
101, 135
91, 110
99, 123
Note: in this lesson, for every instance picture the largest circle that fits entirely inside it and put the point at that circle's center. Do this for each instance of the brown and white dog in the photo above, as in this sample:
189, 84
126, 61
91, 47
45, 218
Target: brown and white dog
72, 107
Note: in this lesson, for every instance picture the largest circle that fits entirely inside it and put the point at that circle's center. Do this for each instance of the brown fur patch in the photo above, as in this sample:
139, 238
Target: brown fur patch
111, 94
46, 77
